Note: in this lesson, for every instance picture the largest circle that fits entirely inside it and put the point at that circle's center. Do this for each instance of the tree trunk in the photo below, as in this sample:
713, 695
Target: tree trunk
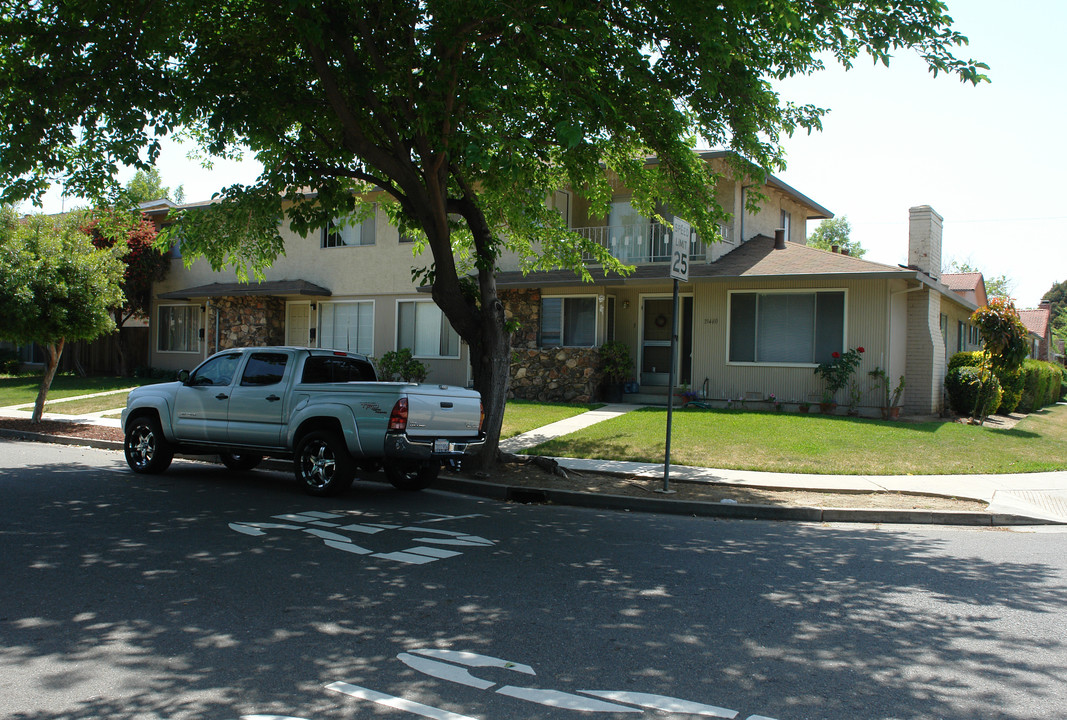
53, 351
491, 368
122, 351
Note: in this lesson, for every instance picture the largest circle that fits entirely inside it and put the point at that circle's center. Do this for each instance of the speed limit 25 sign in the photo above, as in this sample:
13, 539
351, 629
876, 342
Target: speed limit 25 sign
680, 250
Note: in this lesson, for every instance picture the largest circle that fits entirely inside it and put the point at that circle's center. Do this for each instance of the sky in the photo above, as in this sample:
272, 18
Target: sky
989, 159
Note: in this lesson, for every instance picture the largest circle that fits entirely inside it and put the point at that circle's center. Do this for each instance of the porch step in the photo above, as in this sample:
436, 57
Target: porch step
646, 397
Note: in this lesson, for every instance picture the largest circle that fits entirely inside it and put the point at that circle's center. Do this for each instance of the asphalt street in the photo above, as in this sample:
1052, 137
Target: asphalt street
202, 593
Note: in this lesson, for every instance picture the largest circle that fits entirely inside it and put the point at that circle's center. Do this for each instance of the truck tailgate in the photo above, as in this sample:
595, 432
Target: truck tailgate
443, 412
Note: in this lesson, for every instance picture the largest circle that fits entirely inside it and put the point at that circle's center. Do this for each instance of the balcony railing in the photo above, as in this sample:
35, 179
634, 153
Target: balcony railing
642, 243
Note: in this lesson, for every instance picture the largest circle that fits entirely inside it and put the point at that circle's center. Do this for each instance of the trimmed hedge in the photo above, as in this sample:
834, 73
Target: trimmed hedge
963, 392
965, 359
1011, 383
1042, 384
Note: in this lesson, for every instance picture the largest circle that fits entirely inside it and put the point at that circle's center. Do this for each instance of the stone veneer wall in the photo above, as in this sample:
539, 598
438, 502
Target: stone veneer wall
546, 374
247, 321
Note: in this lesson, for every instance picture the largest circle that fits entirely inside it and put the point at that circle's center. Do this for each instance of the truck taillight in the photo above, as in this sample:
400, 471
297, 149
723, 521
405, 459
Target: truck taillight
398, 418
481, 420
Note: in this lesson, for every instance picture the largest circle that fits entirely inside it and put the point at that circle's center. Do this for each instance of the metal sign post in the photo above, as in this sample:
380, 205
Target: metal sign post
679, 271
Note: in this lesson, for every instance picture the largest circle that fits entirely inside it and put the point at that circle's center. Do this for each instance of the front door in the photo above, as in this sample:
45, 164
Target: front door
656, 324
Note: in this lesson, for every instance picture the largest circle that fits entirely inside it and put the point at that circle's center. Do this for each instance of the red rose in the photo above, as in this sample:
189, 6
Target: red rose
859, 349
836, 355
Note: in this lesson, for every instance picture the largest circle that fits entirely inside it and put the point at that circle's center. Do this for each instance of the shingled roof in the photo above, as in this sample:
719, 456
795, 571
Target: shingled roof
754, 259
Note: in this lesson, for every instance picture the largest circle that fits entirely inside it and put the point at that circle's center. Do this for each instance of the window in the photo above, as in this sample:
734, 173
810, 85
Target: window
796, 328
561, 203
264, 369
787, 222
568, 321
424, 329
178, 329
348, 232
218, 370
326, 369
347, 326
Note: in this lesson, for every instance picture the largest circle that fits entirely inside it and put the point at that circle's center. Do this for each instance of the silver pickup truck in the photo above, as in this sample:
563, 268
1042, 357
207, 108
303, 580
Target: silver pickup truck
323, 408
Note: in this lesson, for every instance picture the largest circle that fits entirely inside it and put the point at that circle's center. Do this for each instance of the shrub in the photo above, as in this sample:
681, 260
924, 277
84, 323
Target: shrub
1011, 382
965, 359
1042, 384
9, 362
968, 395
399, 365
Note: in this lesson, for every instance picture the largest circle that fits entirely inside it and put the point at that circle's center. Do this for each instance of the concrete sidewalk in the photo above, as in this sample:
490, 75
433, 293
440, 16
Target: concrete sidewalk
1039, 496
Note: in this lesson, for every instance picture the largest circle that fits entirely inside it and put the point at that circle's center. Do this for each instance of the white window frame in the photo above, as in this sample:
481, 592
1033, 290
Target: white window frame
197, 321
349, 234
563, 317
444, 322
320, 315
781, 291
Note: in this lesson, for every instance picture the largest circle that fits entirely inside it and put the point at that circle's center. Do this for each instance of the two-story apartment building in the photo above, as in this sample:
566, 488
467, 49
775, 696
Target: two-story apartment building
759, 312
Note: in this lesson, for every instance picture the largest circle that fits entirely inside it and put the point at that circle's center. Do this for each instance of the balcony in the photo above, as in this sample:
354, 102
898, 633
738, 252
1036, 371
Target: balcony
644, 243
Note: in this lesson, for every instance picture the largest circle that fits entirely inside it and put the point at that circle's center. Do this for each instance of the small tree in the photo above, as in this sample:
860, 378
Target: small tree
836, 231
1005, 347
55, 286
145, 265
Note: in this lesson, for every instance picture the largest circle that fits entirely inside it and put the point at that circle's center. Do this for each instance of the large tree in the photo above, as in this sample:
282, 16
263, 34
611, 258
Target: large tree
836, 232
55, 286
466, 112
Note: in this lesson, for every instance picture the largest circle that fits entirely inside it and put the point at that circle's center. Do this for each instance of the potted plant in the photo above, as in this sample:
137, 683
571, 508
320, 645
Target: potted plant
836, 373
804, 406
890, 399
616, 367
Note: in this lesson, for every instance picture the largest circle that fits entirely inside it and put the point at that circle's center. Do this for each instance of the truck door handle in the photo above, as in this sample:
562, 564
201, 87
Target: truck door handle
446, 404
273, 398
221, 396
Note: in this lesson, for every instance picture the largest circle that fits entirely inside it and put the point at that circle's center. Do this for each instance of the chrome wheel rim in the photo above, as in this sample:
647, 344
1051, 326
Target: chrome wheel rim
317, 464
143, 446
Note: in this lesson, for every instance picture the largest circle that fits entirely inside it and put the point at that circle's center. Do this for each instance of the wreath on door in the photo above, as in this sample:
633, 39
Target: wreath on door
661, 320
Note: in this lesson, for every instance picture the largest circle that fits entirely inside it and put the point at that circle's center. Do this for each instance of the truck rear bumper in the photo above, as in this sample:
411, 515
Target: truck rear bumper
401, 446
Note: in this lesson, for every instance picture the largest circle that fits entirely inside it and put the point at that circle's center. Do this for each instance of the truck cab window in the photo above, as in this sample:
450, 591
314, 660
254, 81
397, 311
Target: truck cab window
264, 369
216, 371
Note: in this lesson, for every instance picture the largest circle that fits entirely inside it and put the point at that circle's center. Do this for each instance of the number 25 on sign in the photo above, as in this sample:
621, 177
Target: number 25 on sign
680, 250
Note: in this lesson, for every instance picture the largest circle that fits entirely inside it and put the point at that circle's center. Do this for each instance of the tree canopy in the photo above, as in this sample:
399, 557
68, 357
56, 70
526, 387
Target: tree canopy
836, 231
466, 112
147, 185
55, 286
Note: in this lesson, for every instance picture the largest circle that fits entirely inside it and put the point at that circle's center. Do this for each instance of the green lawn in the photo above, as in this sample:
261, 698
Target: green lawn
524, 415
786, 442
22, 390
87, 405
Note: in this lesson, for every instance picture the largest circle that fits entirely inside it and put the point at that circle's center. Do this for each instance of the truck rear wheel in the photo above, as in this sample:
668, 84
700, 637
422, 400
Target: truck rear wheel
147, 451
322, 463
411, 475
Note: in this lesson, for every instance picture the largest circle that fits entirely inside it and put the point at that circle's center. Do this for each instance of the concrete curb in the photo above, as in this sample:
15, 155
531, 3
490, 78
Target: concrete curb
516, 493
739, 511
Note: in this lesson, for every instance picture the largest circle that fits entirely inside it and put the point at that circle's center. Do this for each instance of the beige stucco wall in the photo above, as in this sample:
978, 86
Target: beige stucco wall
380, 273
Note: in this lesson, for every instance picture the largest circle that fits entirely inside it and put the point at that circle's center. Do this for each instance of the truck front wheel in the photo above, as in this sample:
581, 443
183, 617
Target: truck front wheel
147, 451
410, 475
322, 463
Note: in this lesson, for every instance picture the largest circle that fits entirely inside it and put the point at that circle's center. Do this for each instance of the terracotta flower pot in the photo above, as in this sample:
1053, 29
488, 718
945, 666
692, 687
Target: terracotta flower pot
827, 408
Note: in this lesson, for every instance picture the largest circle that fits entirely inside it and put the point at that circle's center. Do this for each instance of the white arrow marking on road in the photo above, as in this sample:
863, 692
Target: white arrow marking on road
663, 702
395, 702
559, 699
253, 528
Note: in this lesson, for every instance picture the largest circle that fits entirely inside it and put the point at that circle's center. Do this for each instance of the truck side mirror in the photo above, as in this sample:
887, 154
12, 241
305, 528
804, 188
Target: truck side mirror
183, 377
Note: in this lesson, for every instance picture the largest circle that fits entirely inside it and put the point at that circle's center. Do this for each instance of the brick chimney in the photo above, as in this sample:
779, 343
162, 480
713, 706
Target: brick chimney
924, 240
